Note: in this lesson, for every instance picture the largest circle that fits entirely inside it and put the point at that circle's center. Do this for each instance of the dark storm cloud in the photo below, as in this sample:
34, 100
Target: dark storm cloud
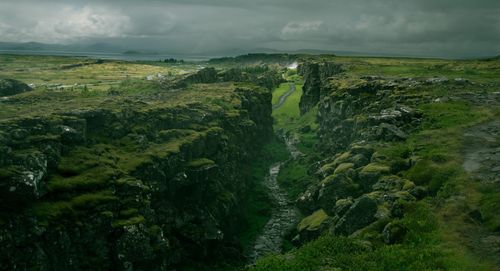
413, 27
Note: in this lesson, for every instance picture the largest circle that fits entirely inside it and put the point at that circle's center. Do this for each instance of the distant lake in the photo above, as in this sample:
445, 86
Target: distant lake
113, 56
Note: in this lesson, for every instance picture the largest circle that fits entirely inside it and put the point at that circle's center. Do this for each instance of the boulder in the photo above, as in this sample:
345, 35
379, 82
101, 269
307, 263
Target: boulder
307, 200
359, 160
312, 226
391, 183
389, 132
343, 168
9, 87
360, 214
370, 174
342, 205
333, 188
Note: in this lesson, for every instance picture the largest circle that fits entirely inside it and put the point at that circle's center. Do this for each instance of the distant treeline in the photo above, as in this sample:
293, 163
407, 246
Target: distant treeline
172, 60
252, 58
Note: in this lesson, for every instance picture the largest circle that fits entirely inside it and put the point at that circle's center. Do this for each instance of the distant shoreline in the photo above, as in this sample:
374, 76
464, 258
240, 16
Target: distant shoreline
109, 56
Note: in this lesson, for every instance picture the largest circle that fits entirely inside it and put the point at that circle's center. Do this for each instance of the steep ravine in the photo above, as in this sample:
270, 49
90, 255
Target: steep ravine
284, 215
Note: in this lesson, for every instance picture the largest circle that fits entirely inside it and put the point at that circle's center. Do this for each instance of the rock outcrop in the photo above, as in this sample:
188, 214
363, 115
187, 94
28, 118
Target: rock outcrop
315, 75
358, 186
9, 87
128, 185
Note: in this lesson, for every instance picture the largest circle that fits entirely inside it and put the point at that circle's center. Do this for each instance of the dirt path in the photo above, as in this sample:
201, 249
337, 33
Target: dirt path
282, 99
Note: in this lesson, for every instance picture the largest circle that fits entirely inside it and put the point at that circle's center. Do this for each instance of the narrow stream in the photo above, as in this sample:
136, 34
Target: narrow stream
284, 215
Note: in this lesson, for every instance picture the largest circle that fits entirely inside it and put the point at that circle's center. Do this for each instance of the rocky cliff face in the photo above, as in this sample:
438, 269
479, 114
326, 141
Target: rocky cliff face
360, 189
127, 185
263, 76
315, 75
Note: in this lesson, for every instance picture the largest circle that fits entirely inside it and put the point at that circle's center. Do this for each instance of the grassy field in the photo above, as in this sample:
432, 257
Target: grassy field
56, 72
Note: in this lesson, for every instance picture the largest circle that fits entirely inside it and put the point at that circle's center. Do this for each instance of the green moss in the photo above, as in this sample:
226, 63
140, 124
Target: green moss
419, 251
293, 177
92, 200
343, 158
92, 179
174, 133
200, 162
313, 222
128, 212
489, 206
376, 168
342, 168
47, 211
127, 222
108, 214
10, 171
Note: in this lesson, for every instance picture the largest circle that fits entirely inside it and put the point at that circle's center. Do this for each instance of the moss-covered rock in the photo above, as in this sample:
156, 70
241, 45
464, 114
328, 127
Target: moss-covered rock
9, 87
361, 213
313, 222
333, 188
370, 173
311, 226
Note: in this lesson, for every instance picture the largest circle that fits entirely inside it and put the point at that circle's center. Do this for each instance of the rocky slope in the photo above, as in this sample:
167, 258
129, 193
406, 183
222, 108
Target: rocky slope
134, 182
358, 186
386, 186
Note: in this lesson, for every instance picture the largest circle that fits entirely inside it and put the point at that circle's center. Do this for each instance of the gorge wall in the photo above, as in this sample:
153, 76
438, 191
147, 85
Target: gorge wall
361, 186
129, 183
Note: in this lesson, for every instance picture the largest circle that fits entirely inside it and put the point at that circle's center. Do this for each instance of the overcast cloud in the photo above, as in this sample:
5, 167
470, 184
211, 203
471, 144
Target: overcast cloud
456, 28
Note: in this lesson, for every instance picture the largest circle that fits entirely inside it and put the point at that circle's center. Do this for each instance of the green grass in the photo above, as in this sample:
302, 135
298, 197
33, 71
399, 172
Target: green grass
419, 251
289, 112
293, 175
489, 205
51, 71
477, 70
294, 178
50, 211
278, 92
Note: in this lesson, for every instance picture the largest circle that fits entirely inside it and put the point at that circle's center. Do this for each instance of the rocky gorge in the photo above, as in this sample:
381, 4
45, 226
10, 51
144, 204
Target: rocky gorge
129, 184
342, 164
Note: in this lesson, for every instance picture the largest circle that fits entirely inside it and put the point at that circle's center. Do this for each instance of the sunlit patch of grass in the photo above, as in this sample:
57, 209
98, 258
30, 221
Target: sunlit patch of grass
289, 112
278, 92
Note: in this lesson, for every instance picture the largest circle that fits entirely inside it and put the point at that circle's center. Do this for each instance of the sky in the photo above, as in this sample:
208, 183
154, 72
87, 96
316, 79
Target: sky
443, 28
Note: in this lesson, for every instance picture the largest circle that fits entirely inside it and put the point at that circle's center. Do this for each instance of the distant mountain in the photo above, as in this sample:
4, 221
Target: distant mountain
43, 47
